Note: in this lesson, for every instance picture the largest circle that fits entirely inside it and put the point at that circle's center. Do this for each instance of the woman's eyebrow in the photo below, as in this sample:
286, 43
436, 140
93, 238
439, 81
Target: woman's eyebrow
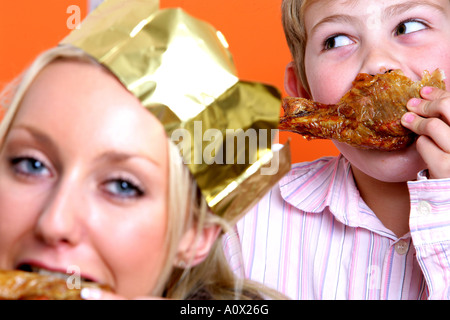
111, 155
120, 156
37, 135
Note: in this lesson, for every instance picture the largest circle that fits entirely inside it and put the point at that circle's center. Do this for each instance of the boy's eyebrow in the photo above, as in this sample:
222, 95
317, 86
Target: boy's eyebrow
408, 5
336, 18
389, 12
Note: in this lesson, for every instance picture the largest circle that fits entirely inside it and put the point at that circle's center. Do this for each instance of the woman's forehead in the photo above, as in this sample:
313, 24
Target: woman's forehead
85, 104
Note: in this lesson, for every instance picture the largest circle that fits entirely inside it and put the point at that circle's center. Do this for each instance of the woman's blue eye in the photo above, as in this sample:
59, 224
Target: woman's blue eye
337, 41
122, 188
30, 166
409, 27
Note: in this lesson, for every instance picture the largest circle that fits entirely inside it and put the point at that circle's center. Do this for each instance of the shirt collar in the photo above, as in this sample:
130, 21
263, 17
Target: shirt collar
312, 186
328, 184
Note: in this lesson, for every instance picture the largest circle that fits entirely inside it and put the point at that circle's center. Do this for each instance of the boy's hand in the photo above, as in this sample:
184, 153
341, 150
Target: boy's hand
430, 119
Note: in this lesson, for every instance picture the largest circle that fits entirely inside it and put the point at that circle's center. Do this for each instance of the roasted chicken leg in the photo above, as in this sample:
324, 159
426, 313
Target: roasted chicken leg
21, 285
368, 116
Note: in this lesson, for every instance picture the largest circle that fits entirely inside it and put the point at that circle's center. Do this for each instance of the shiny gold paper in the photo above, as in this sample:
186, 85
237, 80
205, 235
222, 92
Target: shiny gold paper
181, 70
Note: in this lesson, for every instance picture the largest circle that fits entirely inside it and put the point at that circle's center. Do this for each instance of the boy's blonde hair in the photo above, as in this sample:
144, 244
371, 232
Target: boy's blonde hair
292, 17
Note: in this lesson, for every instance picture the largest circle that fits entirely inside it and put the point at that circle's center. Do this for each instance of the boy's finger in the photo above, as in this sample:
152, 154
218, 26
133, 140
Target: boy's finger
436, 103
422, 107
434, 128
438, 162
431, 93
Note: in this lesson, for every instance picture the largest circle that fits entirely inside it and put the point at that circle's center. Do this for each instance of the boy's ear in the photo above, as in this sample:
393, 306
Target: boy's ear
292, 84
194, 248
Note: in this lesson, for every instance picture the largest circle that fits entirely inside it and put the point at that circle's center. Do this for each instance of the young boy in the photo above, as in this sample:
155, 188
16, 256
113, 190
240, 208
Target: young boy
366, 224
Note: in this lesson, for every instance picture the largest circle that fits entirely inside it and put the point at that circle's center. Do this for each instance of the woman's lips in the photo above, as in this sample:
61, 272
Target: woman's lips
65, 274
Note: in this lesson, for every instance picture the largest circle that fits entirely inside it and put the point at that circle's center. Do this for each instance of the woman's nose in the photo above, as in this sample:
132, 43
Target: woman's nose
60, 222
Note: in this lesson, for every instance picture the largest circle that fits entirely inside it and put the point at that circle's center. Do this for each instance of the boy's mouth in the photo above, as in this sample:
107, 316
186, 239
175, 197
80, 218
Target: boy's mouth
367, 117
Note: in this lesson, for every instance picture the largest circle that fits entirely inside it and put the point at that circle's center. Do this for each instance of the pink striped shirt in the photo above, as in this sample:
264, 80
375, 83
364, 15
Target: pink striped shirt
313, 237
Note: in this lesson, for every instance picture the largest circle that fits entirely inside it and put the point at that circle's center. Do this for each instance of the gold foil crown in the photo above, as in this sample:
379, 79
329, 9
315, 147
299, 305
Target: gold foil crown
180, 68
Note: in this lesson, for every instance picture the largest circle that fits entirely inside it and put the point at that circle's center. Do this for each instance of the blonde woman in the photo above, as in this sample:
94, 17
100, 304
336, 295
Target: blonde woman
90, 178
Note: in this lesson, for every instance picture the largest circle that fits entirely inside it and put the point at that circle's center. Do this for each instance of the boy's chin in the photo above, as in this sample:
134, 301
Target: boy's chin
387, 166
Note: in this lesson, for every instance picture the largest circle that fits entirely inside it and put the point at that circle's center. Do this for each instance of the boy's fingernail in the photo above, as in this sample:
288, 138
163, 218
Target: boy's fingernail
408, 117
414, 102
427, 90
90, 293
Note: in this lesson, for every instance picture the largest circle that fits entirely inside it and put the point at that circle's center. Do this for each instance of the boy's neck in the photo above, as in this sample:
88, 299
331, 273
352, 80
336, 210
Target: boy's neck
389, 201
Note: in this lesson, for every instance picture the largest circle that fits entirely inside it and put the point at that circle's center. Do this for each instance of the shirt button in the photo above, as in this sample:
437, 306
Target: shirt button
424, 207
401, 247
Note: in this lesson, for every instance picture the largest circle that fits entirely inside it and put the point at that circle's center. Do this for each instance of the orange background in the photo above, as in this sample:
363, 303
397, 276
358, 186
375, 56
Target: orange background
251, 27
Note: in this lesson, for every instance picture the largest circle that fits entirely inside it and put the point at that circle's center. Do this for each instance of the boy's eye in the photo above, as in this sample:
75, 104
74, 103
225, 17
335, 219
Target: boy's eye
30, 167
122, 189
337, 41
409, 27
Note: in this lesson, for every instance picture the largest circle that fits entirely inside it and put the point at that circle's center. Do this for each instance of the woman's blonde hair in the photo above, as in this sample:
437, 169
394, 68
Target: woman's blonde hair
213, 277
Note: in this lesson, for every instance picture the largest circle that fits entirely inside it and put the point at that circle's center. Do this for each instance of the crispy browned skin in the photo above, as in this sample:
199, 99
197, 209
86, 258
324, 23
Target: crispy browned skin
21, 285
368, 116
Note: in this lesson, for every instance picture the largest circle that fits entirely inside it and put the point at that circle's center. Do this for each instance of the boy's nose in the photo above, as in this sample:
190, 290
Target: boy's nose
380, 60
59, 222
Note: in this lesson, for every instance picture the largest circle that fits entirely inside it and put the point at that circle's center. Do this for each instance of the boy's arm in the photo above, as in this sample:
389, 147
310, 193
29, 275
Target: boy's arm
430, 231
429, 117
